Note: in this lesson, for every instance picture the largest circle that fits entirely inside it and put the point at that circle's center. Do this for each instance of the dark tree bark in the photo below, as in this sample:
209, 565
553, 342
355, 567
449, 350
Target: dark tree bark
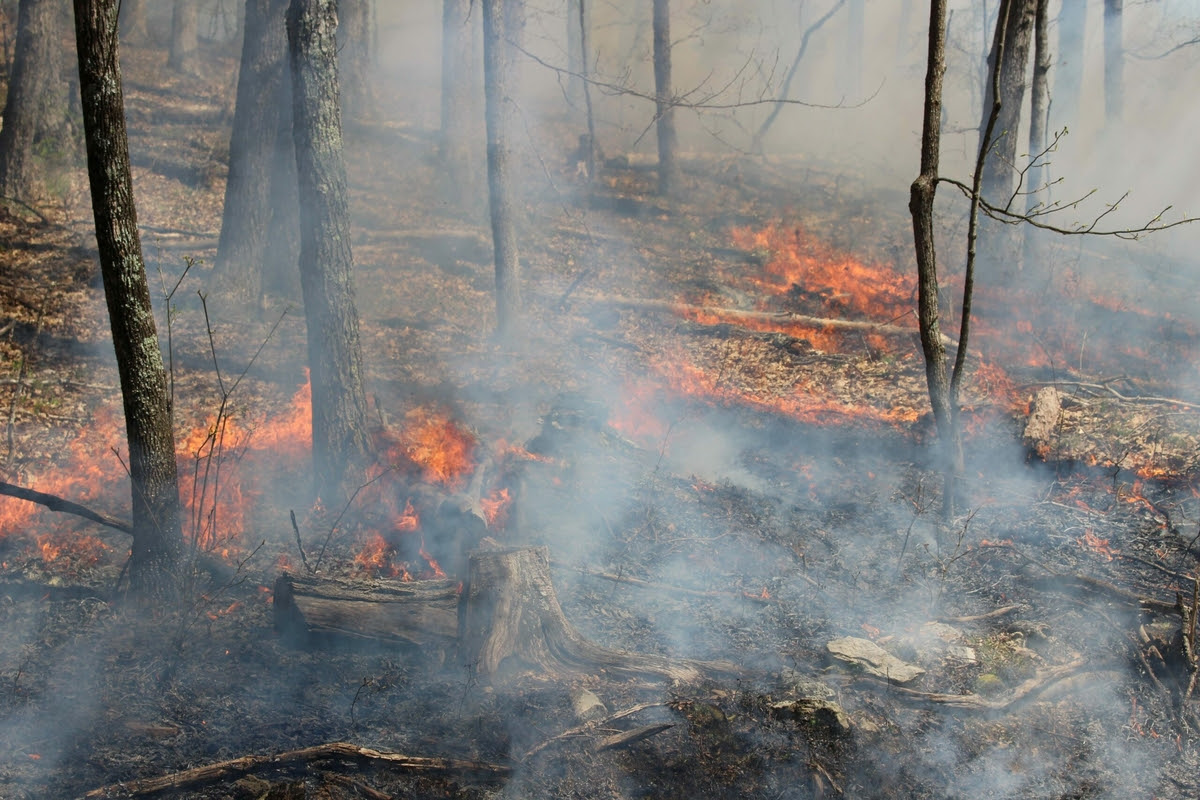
36, 104
1114, 57
1068, 74
501, 28
241, 251
157, 538
185, 26
462, 103
326, 262
920, 204
354, 57
668, 168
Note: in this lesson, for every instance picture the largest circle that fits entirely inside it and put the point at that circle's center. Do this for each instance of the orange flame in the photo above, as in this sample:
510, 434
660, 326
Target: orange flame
495, 507
440, 446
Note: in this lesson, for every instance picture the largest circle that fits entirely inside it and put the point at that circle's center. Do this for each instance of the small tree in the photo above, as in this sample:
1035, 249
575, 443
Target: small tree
36, 102
157, 537
326, 262
185, 26
501, 26
668, 168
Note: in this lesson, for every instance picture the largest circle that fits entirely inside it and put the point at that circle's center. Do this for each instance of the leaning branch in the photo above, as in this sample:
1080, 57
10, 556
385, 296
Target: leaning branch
56, 503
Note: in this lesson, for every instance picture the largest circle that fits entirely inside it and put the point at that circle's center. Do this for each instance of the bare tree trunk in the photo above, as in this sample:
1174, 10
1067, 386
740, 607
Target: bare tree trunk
157, 538
575, 52
668, 168
462, 102
36, 102
260, 100
185, 25
999, 244
1068, 76
1114, 56
501, 22
133, 19
920, 204
326, 262
1039, 106
354, 57
589, 144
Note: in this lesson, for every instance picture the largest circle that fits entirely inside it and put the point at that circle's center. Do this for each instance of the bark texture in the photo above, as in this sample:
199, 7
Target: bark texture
1014, 33
157, 540
185, 27
920, 205
248, 211
668, 167
1039, 113
36, 102
501, 27
462, 103
326, 262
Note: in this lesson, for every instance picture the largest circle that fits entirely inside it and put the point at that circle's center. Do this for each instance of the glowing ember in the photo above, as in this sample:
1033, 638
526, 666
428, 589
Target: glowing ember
407, 520
439, 445
375, 558
1097, 545
435, 568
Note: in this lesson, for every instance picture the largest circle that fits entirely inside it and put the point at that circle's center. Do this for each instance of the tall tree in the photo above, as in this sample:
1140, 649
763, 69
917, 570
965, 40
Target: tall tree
157, 537
36, 103
462, 102
1068, 72
248, 212
354, 56
185, 27
326, 261
668, 168
1114, 59
133, 19
502, 21
575, 52
1039, 112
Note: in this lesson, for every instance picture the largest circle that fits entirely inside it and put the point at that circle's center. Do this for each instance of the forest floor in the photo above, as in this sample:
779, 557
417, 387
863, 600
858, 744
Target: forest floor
717, 484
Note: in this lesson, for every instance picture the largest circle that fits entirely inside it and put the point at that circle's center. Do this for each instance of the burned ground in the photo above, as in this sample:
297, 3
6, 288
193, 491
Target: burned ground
732, 485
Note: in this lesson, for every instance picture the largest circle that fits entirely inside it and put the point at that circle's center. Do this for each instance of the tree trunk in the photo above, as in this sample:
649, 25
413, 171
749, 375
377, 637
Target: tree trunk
1114, 56
575, 52
36, 104
326, 262
999, 244
854, 55
501, 26
133, 20
241, 251
157, 538
281, 275
185, 26
354, 57
1068, 76
587, 141
462, 103
668, 169
1039, 106
920, 204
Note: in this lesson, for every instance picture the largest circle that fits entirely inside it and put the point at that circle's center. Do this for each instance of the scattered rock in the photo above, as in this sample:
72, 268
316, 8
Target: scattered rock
873, 659
587, 706
815, 711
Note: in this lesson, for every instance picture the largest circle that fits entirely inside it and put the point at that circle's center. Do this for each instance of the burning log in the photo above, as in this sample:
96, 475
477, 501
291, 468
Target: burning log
510, 620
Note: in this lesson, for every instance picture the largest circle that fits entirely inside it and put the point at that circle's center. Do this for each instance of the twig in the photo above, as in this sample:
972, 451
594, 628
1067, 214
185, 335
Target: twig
998, 612
631, 737
588, 727
292, 760
300, 544
1027, 689
56, 503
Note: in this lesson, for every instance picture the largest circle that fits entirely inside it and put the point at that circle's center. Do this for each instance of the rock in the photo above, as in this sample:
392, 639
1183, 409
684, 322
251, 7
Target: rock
936, 642
873, 659
814, 711
587, 706
1044, 414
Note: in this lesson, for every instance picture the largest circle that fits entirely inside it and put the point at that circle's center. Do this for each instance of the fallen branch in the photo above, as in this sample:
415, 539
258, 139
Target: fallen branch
626, 738
293, 759
1029, 688
56, 503
589, 727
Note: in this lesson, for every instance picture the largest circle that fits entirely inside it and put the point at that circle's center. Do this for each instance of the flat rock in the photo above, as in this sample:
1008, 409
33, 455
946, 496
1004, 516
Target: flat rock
873, 659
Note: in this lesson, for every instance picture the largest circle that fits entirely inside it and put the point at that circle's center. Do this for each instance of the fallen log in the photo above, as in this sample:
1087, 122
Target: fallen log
56, 503
294, 760
309, 610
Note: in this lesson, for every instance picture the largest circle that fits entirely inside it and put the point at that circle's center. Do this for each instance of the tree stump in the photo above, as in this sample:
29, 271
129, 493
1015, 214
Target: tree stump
506, 620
